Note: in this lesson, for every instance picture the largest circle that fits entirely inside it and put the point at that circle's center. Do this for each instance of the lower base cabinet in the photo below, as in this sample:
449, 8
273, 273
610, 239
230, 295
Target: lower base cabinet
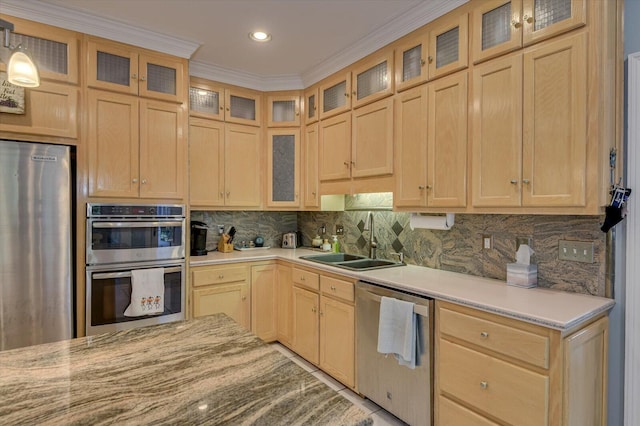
284, 304
493, 370
264, 322
222, 289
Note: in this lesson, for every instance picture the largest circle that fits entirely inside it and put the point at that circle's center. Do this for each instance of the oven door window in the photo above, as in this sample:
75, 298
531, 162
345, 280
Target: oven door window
135, 235
111, 296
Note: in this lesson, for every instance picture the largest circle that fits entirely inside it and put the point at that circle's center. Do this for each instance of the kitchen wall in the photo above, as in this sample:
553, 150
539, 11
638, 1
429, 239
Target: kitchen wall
458, 249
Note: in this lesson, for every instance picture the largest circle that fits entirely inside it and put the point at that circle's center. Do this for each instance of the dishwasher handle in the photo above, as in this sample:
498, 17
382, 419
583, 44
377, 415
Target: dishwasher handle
417, 309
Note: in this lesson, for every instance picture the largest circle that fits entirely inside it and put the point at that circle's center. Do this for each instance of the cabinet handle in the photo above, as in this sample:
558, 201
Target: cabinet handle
430, 59
514, 181
313, 309
484, 334
529, 19
525, 181
346, 163
516, 24
421, 187
221, 276
144, 181
346, 95
321, 313
228, 194
353, 163
222, 195
422, 62
227, 108
134, 180
221, 108
354, 93
484, 385
302, 278
244, 297
313, 193
143, 78
429, 187
134, 76
333, 288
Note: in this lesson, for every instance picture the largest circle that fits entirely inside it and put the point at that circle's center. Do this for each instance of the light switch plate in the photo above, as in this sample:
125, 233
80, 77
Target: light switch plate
576, 251
487, 242
339, 230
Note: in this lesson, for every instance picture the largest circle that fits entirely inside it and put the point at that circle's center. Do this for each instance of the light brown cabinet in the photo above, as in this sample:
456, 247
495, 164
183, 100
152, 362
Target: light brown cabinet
334, 148
310, 170
311, 102
136, 147
432, 157
335, 95
283, 168
411, 62
283, 111
494, 368
215, 176
123, 68
531, 152
501, 26
222, 289
448, 45
264, 314
284, 292
230, 104
372, 79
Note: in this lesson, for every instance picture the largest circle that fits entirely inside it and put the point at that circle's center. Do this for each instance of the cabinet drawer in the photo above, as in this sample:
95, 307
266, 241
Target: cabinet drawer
338, 288
452, 414
506, 391
228, 274
519, 344
306, 279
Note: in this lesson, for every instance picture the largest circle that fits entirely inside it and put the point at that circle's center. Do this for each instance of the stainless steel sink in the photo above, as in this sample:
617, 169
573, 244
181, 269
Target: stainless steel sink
352, 262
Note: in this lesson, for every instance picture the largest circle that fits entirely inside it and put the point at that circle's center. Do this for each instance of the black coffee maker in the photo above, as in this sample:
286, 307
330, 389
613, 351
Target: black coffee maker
198, 238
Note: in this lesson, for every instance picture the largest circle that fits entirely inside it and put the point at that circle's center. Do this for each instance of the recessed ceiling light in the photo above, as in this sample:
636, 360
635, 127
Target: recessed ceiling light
259, 36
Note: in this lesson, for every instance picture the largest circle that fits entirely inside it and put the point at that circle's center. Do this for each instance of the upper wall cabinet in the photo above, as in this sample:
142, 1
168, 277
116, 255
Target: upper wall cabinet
335, 95
500, 26
233, 105
54, 50
283, 111
373, 79
283, 168
118, 67
311, 100
448, 45
411, 61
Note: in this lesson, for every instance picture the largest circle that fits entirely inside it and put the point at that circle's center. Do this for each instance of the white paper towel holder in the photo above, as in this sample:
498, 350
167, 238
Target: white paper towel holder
420, 220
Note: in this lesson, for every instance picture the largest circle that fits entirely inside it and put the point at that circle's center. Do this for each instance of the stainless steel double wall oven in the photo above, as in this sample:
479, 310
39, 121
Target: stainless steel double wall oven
126, 237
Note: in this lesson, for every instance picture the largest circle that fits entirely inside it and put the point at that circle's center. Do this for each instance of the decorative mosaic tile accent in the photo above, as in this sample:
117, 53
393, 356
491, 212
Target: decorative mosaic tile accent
397, 228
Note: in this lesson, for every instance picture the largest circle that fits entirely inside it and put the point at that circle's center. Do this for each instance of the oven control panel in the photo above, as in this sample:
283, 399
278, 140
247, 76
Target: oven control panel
135, 210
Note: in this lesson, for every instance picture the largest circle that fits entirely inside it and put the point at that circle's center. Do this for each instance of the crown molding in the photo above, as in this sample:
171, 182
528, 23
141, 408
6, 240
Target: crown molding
245, 79
425, 12
46, 13
58, 16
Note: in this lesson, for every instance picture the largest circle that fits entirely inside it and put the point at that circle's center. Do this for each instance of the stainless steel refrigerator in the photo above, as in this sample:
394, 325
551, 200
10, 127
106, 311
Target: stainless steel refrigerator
36, 259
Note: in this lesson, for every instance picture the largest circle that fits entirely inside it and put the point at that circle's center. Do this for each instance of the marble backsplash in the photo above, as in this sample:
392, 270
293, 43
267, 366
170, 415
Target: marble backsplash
458, 249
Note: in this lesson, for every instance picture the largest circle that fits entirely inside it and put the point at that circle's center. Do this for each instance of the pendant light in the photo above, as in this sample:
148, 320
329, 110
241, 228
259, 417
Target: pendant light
21, 70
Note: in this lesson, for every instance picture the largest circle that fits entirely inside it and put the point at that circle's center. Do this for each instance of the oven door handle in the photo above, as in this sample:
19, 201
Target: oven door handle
127, 274
417, 309
134, 224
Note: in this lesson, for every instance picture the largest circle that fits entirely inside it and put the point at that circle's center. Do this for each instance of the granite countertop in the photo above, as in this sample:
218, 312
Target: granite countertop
555, 309
202, 371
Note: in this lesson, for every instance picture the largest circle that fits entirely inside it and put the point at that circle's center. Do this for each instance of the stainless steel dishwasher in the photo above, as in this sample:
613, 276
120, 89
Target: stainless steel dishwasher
406, 393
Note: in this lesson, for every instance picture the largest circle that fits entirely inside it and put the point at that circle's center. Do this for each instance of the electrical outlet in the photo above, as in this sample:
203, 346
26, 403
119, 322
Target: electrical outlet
575, 251
487, 242
220, 229
339, 230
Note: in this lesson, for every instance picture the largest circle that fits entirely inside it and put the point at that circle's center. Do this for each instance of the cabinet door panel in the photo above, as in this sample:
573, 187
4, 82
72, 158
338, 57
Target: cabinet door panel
243, 170
285, 304
206, 100
337, 337
162, 150
232, 300
312, 100
306, 324
447, 142
373, 79
546, 18
449, 46
161, 78
311, 193
206, 162
335, 148
242, 107
555, 140
264, 303
372, 141
411, 148
113, 145
284, 111
410, 62
112, 67
497, 26
497, 133
283, 173
335, 96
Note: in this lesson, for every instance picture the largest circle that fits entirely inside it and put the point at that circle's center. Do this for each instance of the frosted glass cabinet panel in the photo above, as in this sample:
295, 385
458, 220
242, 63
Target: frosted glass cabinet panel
373, 79
283, 110
546, 18
283, 178
448, 46
410, 62
335, 95
205, 102
242, 107
312, 99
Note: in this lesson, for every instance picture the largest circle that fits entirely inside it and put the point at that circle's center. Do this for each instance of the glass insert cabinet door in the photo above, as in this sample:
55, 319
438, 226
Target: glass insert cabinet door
312, 99
284, 168
283, 111
411, 60
448, 46
372, 79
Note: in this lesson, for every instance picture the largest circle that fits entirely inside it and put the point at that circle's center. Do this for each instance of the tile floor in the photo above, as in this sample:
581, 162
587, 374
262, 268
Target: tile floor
380, 416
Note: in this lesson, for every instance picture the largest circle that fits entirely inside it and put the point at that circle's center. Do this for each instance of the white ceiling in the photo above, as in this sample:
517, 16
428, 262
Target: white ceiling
311, 39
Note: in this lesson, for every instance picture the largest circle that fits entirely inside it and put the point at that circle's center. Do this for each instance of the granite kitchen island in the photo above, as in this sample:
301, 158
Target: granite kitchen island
203, 371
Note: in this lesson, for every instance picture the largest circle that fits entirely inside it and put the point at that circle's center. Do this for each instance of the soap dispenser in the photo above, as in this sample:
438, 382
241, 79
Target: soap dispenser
326, 246
335, 245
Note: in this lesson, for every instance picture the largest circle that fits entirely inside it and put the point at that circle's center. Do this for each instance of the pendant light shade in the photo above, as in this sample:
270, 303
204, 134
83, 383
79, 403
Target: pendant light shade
21, 70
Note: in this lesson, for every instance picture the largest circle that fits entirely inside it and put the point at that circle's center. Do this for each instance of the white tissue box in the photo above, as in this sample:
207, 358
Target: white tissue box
522, 275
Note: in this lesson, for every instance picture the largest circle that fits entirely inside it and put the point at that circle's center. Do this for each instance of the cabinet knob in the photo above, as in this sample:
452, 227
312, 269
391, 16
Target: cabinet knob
421, 187
321, 313
484, 385
144, 181
346, 163
346, 95
430, 59
525, 181
484, 334
353, 93
422, 62
302, 278
244, 297
134, 180
134, 76
222, 195
227, 108
228, 193
220, 276
516, 24
313, 309
333, 288
143, 78
528, 19
313, 193
513, 181
221, 108
353, 163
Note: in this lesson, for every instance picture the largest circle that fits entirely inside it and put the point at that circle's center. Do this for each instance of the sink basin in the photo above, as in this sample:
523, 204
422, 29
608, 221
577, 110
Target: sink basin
332, 257
366, 264
353, 262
